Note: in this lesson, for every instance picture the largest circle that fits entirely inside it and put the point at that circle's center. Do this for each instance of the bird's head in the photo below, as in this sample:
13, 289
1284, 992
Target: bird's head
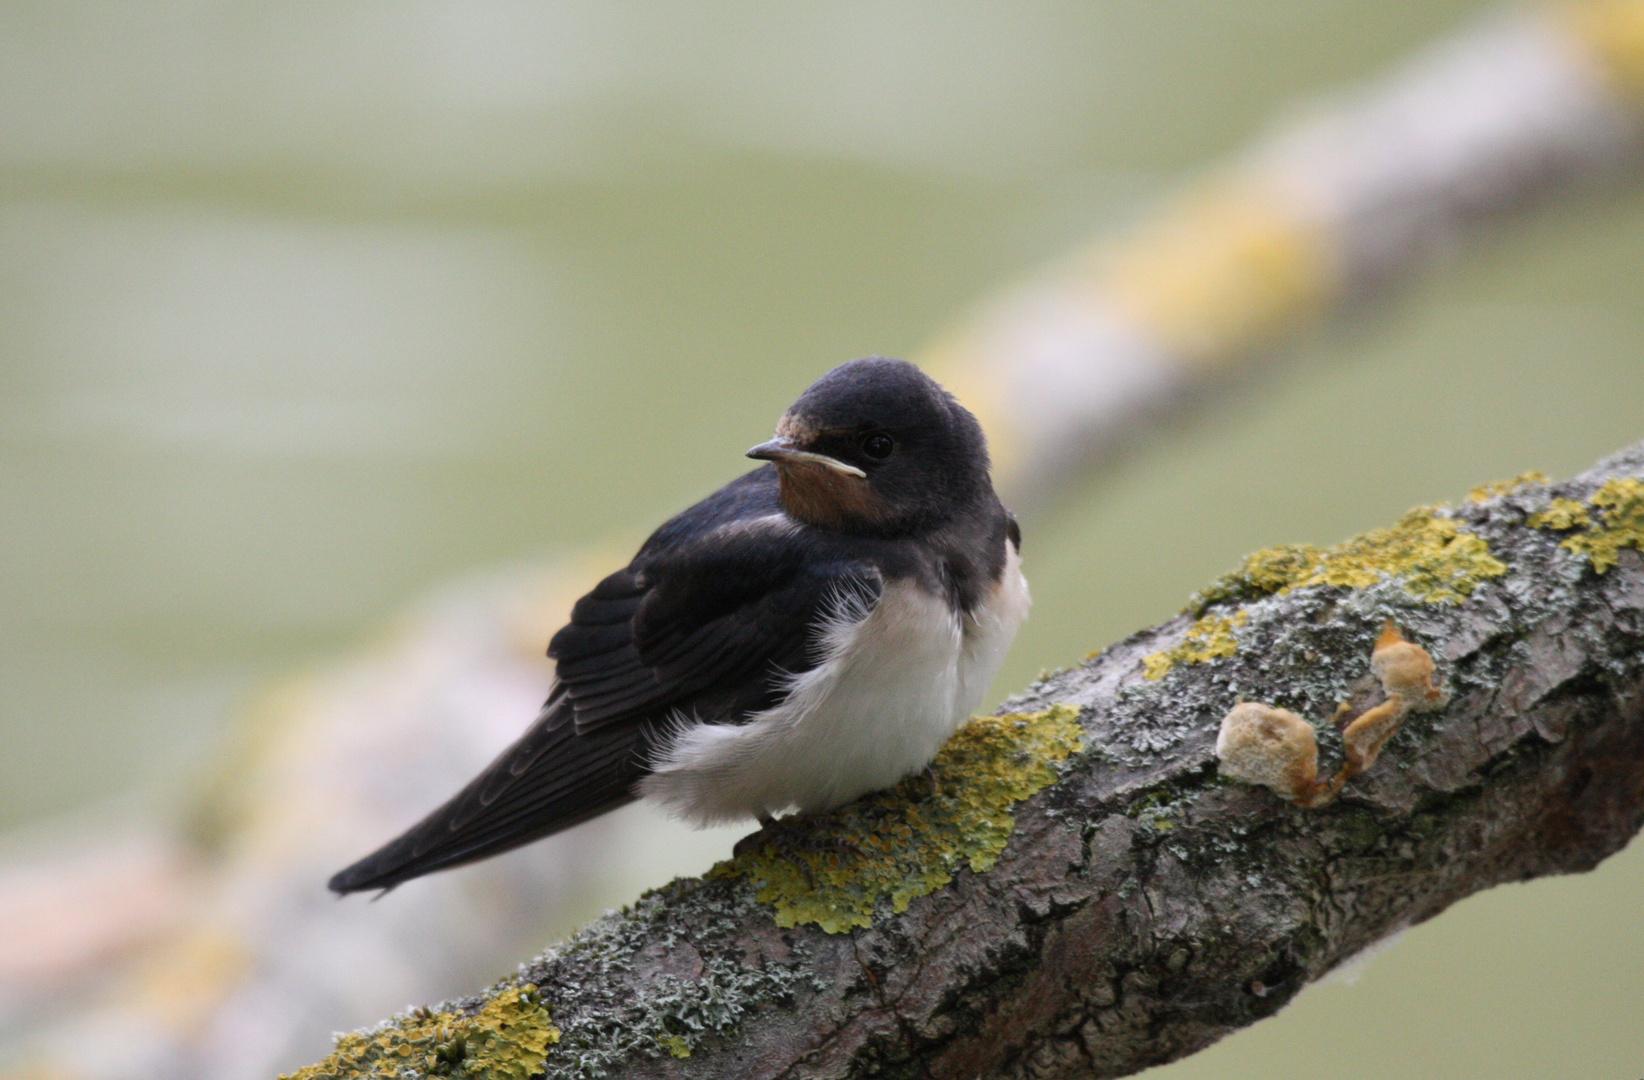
876, 447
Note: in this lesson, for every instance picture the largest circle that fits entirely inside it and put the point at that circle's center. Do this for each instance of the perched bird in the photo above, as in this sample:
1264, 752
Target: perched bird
812, 631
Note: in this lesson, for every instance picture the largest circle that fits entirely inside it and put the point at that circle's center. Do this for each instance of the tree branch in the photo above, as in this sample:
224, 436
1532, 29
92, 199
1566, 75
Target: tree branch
1141, 905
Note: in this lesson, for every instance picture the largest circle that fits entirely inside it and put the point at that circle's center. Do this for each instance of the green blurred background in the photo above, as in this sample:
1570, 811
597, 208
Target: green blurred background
305, 308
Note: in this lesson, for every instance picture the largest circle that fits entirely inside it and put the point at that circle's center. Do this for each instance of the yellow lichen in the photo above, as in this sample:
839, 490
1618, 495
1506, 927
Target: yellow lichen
902, 844
1209, 638
1438, 561
506, 1040
675, 1045
1485, 492
1610, 32
1620, 507
1560, 514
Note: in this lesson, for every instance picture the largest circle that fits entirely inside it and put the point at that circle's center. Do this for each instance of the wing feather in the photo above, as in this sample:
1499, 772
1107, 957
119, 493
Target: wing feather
704, 624
550, 779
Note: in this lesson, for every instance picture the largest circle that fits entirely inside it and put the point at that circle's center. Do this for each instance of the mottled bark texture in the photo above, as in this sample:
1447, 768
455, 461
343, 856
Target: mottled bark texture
1144, 906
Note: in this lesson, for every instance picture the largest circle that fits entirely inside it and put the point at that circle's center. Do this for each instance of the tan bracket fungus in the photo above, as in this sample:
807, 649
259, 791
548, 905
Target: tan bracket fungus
1275, 748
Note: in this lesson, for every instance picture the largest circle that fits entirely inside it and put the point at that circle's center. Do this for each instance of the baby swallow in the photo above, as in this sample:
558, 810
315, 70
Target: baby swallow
812, 631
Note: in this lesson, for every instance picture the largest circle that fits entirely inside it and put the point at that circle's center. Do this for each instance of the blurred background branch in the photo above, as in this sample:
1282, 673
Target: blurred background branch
305, 309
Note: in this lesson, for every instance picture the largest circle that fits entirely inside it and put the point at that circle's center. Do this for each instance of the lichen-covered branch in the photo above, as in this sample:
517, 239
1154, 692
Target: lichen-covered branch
1077, 890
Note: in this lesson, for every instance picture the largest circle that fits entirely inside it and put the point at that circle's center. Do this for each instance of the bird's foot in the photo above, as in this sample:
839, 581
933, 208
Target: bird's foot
791, 838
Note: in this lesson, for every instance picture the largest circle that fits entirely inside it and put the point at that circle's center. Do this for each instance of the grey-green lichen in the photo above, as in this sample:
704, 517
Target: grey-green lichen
905, 843
1619, 510
507, 1039
613, 1008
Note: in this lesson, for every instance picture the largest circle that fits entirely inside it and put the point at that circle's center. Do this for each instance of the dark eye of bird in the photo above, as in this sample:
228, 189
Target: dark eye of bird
877, 445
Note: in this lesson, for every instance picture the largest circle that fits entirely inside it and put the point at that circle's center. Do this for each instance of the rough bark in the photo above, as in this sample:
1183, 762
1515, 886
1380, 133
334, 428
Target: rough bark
1144, 906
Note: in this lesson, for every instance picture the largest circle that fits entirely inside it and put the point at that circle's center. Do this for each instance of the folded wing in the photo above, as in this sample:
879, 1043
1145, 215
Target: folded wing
707, 631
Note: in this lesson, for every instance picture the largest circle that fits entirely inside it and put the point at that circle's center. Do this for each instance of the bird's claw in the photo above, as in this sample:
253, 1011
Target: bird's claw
792, 837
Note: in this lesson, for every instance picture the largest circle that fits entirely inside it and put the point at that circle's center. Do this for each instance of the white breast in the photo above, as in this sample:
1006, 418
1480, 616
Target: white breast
895, 684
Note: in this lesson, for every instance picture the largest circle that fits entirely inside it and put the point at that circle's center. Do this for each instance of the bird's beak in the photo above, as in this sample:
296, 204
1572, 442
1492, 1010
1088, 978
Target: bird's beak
780, 450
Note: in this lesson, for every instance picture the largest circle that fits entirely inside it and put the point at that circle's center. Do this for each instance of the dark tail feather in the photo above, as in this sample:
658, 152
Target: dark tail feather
549, 780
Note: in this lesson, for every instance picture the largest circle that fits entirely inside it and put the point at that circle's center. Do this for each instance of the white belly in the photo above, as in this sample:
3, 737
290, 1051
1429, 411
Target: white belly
892, 689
